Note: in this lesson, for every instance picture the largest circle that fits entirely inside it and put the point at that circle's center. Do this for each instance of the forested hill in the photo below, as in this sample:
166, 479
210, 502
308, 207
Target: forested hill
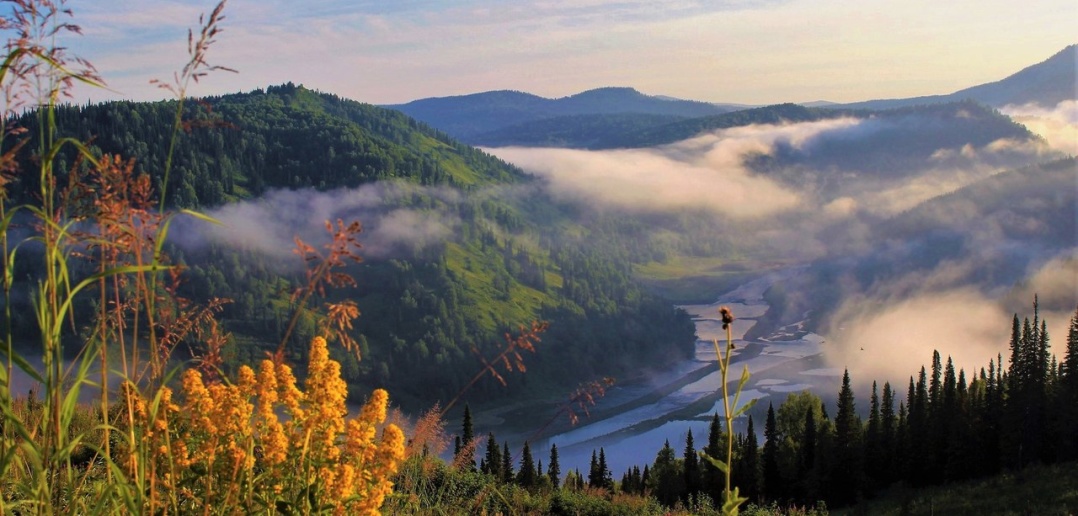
240, 145
467, 116
473, 250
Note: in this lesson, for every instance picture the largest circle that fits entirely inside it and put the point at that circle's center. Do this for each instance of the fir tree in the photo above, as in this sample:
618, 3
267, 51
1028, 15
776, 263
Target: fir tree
493, 458
507, 464
595, 475
526, 477
691, 468
750, 460
887, 435
666, 481
464, 449
773, 484
554, 469
714, 480
846, 479
1068, 394
873, 449
606, 477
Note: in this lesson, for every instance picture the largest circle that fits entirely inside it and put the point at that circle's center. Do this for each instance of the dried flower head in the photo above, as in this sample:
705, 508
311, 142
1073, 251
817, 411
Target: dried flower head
727, 316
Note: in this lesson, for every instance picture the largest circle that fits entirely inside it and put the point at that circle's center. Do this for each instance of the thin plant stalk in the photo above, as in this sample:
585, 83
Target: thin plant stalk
732, 498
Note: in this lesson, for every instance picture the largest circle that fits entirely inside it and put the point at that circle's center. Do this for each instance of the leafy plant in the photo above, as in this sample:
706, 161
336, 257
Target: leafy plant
733, 500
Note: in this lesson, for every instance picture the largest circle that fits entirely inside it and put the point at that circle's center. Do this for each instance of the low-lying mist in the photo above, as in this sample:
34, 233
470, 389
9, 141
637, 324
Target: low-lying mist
1058, 126
959, 293
774, 194
396, 217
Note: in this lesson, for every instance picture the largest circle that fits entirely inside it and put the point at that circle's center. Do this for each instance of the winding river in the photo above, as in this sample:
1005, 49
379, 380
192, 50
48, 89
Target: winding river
632, 422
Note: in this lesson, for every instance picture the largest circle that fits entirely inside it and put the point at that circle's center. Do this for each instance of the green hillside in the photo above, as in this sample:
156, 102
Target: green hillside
431, 313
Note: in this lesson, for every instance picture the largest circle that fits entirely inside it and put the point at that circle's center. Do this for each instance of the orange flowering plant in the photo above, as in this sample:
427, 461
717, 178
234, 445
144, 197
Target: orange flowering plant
263, 444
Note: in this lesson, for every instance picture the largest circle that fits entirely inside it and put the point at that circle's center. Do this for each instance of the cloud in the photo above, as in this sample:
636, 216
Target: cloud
1058, 126
645, 180
890, 331
889, 340
1055, 283
707, 172
269, 224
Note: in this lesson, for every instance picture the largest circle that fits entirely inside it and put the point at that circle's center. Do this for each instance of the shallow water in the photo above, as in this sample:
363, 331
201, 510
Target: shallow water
633, 437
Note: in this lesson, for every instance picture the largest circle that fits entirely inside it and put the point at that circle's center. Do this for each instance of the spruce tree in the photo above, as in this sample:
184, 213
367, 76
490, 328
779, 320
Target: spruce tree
493, 458
1068, 394
750, 458
464, 450
606, 477
691, 468
773, 484
714, 480
846, 478
873, 449
595, 476
554, 469
666, 480
887, 435
507, 464
526, 477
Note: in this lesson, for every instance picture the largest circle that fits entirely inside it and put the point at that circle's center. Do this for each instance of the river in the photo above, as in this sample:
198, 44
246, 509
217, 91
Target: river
632, 422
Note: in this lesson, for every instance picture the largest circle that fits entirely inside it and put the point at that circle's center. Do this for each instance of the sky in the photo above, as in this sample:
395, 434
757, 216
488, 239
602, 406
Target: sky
727, 51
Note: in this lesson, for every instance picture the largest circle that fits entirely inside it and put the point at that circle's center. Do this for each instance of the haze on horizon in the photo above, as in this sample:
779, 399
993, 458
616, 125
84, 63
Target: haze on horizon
730, 51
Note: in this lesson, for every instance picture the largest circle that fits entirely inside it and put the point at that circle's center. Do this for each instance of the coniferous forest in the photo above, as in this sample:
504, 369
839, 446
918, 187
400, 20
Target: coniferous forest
433, 311
947, 427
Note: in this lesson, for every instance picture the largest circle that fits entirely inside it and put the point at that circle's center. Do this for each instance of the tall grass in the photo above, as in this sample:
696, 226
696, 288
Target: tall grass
258, 443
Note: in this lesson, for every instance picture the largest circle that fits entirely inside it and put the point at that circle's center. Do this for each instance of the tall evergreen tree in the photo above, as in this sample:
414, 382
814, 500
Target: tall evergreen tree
464, 453
714, 480
507, 464
806, 458
749, 482
595, 475
873, 451
1068, 393
846, 477
691, 468
526, 477
493, 458
605, 475
665, 479
887, 434
554, 469
773, 483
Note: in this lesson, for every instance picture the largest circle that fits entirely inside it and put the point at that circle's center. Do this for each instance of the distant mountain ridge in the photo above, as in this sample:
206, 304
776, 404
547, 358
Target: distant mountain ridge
624, 117
466, 116
1046, 83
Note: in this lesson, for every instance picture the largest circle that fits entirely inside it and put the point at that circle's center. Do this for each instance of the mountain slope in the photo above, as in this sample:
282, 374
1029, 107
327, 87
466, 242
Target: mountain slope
459, 248
1046, 83
573, 131
466, 116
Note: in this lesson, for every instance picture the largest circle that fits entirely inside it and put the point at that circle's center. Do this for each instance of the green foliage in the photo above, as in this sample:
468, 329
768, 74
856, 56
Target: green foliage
430, 315
588, 131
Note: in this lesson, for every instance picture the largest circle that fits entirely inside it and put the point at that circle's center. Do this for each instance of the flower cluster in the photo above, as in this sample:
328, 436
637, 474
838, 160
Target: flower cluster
262, 442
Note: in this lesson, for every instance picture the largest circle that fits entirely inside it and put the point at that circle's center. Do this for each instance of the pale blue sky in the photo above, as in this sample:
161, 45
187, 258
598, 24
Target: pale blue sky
736, 51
